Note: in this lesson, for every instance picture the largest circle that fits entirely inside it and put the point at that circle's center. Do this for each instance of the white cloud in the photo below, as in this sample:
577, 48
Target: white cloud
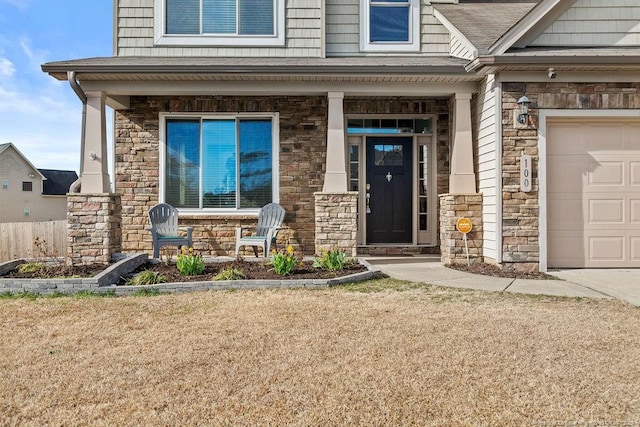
7, 69
21, 4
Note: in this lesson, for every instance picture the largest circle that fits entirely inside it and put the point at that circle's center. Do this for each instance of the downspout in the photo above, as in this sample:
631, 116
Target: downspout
71, 76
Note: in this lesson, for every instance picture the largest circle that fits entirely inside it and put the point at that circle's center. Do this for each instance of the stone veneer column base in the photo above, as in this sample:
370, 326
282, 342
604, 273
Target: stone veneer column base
93, 228
452, 207
336, 221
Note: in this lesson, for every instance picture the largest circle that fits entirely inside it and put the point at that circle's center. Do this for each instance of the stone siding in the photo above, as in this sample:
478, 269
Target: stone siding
303, 134
93, 228
520, 216
336, 221
452, 247
303, 129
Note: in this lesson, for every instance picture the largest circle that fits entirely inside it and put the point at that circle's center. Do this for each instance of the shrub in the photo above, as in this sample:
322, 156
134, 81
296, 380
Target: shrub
230, 273
189, 263
30, 267
334, 259
284, 262
147, 277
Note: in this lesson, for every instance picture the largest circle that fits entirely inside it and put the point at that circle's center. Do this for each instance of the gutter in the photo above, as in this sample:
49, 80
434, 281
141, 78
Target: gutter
73, 81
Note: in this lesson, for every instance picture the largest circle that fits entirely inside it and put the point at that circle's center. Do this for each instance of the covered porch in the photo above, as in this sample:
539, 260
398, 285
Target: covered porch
355, 122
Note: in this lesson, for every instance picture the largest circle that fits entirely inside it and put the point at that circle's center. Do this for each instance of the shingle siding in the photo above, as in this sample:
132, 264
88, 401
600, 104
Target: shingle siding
595, 23
302, 29
343, 29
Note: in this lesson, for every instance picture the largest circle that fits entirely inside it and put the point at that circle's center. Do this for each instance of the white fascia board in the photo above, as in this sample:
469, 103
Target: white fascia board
455, 32
274, 88
526, 24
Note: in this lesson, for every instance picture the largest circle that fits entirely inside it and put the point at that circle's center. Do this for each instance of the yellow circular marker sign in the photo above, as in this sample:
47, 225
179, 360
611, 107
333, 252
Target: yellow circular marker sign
464, 225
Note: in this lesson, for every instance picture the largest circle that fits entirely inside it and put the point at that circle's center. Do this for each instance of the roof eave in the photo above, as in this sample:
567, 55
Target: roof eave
59, 71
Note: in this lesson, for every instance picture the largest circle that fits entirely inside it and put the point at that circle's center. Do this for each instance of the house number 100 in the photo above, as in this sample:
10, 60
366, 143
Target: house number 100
525, 173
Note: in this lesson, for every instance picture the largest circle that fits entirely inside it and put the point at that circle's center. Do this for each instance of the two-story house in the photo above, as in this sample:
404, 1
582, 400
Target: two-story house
376, 124
28, 194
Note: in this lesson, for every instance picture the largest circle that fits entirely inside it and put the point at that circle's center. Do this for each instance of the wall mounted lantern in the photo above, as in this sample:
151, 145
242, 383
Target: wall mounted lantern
523, 110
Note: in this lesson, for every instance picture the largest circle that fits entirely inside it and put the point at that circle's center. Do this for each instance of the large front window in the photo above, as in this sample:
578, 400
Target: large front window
219, 163
220, 22
390, 25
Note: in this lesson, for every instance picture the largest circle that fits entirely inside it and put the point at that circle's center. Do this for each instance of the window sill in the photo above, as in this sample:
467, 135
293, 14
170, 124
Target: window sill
213, 41
199, 215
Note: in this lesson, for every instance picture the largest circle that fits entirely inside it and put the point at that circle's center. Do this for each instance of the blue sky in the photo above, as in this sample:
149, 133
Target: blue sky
40, 115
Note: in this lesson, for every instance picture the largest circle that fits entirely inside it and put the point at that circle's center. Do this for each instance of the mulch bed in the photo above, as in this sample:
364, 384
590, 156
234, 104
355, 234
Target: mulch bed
57, 272
252, 270
496, 271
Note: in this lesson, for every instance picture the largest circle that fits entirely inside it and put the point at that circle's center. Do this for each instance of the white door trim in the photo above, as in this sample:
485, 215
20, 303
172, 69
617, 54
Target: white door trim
543, 116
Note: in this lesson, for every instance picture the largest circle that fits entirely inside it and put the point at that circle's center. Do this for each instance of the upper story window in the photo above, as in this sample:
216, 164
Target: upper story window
390, 25
27, 186
5, 184
220, 163
220, 22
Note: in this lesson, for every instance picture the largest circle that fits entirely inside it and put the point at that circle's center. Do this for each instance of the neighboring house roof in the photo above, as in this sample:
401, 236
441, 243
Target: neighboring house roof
57, 182
483, 22
185, 66
6, 146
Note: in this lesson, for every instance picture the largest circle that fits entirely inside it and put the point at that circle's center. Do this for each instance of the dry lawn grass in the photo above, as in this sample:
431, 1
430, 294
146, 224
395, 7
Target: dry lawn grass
396, 355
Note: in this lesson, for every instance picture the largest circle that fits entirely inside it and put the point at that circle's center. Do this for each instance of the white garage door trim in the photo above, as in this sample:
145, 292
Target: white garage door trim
543, 116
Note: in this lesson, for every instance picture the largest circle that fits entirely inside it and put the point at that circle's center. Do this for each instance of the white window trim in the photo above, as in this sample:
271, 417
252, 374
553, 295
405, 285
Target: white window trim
162, 39
413, 45
275, 160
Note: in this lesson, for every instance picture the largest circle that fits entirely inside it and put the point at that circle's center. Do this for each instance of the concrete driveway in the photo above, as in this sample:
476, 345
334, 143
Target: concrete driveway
623, 284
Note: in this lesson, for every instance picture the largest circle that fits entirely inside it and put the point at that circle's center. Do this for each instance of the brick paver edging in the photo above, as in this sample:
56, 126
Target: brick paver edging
105, 281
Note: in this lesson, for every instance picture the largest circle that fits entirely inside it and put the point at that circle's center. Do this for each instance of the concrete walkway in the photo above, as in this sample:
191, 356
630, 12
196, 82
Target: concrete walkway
623, 284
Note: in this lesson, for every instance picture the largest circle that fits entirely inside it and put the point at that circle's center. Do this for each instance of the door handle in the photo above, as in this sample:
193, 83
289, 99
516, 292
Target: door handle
368, 197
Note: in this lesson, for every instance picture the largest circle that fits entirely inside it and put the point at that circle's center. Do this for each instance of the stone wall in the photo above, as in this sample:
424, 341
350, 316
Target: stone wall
336, 221
303, 133
303, 129
520, 219
452, 246
93, 228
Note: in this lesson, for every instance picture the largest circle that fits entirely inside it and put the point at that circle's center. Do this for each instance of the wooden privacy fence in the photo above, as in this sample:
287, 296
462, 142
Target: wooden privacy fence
18, 240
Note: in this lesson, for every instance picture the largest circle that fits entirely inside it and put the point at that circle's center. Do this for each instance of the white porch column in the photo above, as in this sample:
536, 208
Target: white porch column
335, 178
462, 179
95, 176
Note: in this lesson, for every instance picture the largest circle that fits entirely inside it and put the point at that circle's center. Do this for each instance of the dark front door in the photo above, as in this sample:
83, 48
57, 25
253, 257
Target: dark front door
389, 185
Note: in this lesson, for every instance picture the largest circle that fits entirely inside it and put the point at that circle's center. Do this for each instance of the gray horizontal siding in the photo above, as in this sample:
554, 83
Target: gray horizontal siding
135, 33
460, 50
595, 23
484, 129
343, 29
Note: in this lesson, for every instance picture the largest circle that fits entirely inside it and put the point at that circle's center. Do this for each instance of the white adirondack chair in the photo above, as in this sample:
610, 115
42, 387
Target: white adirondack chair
270, 221
164, 228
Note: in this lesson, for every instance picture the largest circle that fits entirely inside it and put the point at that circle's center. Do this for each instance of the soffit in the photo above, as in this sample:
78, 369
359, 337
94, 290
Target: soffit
363, 69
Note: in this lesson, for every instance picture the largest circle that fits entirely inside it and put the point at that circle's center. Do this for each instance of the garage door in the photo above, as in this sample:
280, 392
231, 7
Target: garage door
593, 193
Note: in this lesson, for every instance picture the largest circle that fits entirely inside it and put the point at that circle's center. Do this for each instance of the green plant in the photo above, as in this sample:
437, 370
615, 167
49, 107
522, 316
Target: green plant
189, 263
334, 259
146, 277
230, 273
30, 267
284, 262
